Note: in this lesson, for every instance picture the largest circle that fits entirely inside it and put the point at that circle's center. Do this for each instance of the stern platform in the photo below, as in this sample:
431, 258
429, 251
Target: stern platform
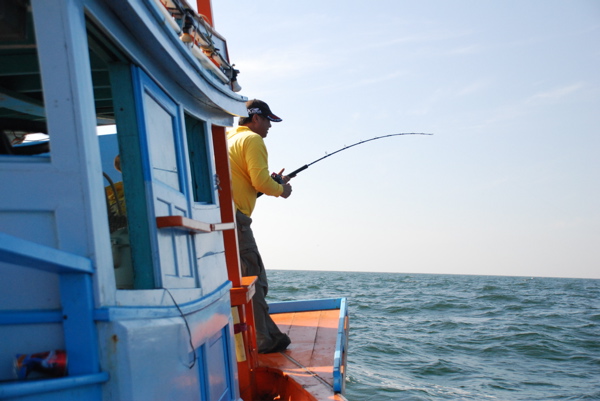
316, 358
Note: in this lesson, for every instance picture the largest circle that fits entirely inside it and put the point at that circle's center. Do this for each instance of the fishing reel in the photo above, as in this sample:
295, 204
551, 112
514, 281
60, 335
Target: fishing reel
278, 178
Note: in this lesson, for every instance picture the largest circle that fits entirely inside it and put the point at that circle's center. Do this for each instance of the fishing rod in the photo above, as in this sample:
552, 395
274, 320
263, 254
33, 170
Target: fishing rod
279, 177
295, 172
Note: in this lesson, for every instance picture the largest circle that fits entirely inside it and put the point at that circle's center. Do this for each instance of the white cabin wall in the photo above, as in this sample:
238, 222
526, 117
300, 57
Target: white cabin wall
61, 195
52, 200
32, 220
75, 154
211, 265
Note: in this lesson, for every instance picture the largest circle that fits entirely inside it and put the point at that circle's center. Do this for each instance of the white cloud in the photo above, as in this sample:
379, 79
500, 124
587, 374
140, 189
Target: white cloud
278, 64
523, 107
425, 37
555, 94
464, 50
473, 87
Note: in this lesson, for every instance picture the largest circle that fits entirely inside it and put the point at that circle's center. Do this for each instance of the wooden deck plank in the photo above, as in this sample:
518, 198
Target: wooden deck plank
284, 321
313, 336
303, 332
324, 348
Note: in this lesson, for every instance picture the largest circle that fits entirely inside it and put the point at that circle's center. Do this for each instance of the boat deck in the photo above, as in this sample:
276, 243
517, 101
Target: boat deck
316, 356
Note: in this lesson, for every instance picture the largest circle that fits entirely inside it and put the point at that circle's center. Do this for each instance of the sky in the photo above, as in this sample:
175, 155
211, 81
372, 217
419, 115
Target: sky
509, 184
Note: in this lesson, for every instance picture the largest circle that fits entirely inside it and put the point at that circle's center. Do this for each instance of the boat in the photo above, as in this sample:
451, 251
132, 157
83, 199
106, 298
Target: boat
119, 266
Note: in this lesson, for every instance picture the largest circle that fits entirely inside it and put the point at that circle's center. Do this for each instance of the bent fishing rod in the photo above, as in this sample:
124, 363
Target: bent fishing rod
279, 177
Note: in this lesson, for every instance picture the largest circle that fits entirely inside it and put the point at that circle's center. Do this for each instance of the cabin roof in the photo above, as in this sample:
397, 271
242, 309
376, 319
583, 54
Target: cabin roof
21, 94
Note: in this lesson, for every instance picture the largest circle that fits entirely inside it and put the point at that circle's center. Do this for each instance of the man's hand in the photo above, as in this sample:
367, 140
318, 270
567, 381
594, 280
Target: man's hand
287, 191
284, 178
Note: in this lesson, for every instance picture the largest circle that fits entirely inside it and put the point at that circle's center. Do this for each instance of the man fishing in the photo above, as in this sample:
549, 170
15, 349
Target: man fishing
248, 159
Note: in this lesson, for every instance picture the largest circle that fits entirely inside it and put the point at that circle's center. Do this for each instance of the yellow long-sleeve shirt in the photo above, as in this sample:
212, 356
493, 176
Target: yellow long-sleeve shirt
249, 162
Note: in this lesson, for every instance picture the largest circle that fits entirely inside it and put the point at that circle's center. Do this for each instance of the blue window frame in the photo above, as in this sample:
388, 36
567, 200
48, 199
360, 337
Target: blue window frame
199, 156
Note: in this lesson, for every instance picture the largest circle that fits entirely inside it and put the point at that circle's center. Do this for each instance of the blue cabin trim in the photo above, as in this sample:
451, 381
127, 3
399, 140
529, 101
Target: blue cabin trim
9, 317
341, 349
306, 305
114, 313
43, 387
80, 335
30, 254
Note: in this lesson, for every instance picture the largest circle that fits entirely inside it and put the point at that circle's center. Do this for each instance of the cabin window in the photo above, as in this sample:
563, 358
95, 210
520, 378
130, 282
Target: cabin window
22, 115
197, 139
104, 58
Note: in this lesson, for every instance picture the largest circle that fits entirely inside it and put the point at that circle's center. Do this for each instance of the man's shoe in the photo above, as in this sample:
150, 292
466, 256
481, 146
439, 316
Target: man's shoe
281, 345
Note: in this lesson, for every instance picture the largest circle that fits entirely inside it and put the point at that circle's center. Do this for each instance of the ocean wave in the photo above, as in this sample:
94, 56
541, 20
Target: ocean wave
436, 337
499, 298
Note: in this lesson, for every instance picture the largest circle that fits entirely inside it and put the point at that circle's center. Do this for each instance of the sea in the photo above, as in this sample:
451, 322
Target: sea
459, 337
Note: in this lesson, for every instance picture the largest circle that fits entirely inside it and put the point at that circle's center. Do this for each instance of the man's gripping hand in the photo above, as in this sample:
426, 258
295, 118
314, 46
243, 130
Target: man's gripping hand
287, 191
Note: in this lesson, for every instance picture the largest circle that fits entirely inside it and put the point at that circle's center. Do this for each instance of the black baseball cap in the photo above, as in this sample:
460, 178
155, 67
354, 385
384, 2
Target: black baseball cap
256, 106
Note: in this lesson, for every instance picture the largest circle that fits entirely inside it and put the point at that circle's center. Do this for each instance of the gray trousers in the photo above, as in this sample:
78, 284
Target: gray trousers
267, 332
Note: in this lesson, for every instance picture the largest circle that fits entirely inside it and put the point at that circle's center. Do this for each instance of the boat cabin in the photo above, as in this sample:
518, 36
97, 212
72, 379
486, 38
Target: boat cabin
117, 227
79, 271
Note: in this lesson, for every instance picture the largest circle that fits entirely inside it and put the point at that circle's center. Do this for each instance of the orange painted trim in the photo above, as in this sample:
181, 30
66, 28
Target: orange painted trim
275, 384
242, 295
222, 226
205, 8
241, 298
183, 223
187, 224
226, 205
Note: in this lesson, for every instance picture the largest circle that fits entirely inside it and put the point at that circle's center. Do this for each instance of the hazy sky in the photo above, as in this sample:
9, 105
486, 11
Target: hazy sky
509, 184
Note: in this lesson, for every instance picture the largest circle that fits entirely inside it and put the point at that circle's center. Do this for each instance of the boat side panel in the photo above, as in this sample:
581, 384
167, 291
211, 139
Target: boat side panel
218, 377
137, 352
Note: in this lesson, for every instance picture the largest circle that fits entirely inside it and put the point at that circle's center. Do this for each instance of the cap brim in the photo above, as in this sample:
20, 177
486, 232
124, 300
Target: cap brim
274, 118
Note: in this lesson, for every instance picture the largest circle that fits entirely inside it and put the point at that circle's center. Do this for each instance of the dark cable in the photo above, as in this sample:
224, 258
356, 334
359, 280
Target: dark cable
186, 325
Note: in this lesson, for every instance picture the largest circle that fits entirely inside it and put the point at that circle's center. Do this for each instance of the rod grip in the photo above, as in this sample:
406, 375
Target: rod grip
293, 173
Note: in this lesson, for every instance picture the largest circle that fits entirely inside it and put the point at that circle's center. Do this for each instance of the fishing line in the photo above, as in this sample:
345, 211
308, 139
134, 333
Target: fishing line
293, 173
